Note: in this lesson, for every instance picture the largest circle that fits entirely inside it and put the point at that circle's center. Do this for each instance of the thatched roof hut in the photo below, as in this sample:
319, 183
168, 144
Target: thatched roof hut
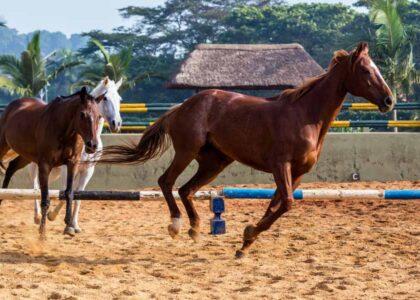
234, 66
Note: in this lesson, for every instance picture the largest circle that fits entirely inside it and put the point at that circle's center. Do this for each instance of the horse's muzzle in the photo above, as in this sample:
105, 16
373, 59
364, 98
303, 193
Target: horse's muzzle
115, 126
387, 104
91, 147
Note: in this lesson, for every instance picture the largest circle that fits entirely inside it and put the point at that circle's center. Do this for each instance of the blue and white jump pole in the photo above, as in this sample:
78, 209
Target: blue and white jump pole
218, 226
252, 193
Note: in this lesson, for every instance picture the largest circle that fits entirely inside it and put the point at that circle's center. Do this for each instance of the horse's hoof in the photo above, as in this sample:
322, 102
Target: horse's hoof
69, 231
239, 254
172, 231
51, 216
194, 234
37, 219
77, 230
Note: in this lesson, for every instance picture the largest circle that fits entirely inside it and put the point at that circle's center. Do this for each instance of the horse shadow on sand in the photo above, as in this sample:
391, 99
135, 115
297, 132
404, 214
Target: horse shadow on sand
17, 257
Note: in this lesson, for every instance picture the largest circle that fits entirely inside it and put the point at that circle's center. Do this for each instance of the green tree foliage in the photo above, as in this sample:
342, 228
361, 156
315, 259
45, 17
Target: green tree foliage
167, 33
394, 47
28, 75
162, 36
320, 28
114, 65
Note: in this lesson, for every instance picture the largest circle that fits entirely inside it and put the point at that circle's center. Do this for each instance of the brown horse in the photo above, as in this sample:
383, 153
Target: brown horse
282, 136
50, 135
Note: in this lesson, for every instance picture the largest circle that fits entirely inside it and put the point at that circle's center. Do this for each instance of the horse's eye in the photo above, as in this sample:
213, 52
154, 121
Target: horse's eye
366, 71
83, 114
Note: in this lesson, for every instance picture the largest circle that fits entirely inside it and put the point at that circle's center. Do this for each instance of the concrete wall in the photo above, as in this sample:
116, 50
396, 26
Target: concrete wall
376, 156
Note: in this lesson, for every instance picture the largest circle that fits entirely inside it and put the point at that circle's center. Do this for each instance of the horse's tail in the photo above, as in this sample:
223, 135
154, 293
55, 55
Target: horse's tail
154, 142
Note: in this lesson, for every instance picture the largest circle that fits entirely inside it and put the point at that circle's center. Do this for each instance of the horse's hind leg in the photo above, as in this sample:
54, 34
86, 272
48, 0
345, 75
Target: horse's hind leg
166, 182
4, 147
15, 165
55, 174
83, 179
211, 162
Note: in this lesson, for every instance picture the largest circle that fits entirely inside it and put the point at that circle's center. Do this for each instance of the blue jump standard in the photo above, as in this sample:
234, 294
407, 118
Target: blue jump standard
249, 193
217, 224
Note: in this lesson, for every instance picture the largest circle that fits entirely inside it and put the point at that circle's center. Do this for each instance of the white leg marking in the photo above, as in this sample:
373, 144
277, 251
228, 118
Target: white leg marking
176, 224
33, 174
83, 179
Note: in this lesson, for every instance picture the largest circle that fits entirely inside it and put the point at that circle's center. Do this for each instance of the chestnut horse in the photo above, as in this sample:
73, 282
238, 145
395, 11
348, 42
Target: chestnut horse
50, 135
282, 135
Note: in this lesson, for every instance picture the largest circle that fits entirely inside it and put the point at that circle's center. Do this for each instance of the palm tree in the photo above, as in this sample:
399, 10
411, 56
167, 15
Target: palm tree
30, 74
115, 66
394, 47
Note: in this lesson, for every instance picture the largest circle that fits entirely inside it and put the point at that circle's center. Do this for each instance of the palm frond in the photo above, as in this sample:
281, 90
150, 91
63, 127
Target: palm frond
111, 71
10, 65
101, 48
125, 57
8, 85
34, 47
27, 68
64, 67
390, 33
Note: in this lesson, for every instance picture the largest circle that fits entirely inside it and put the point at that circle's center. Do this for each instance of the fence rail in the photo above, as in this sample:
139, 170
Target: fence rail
376, 123
161, 107
132, 108
370, 106
336, 124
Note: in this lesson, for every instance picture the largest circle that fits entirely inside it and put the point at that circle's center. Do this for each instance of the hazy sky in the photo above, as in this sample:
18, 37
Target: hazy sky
75, 16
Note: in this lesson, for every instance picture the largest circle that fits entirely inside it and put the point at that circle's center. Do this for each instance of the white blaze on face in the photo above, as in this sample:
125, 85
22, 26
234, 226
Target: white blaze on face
378, 73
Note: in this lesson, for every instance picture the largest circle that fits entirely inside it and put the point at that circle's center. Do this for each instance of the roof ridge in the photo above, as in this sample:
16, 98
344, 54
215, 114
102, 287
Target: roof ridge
248, 47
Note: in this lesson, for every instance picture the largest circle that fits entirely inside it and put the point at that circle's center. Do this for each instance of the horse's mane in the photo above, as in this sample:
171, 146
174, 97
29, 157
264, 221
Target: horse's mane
61, 98
296, 93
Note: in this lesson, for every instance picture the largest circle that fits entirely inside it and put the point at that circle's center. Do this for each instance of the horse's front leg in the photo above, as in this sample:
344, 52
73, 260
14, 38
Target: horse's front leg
280, 204
84, 178
44, 170
69, 194
52, 214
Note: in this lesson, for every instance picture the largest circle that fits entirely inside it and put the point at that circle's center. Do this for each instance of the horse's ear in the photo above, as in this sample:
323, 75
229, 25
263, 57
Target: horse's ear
84, 94
119, 83
100, 98
363, 47
106, 81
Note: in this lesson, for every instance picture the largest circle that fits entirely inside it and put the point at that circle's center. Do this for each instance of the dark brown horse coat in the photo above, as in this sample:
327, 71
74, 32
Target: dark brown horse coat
50, 135
281, 135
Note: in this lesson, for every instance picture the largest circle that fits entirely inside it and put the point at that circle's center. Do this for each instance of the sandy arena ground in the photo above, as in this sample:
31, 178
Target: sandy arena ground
322, 249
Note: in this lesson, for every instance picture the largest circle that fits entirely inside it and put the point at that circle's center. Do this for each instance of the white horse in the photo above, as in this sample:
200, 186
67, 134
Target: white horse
110, 111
